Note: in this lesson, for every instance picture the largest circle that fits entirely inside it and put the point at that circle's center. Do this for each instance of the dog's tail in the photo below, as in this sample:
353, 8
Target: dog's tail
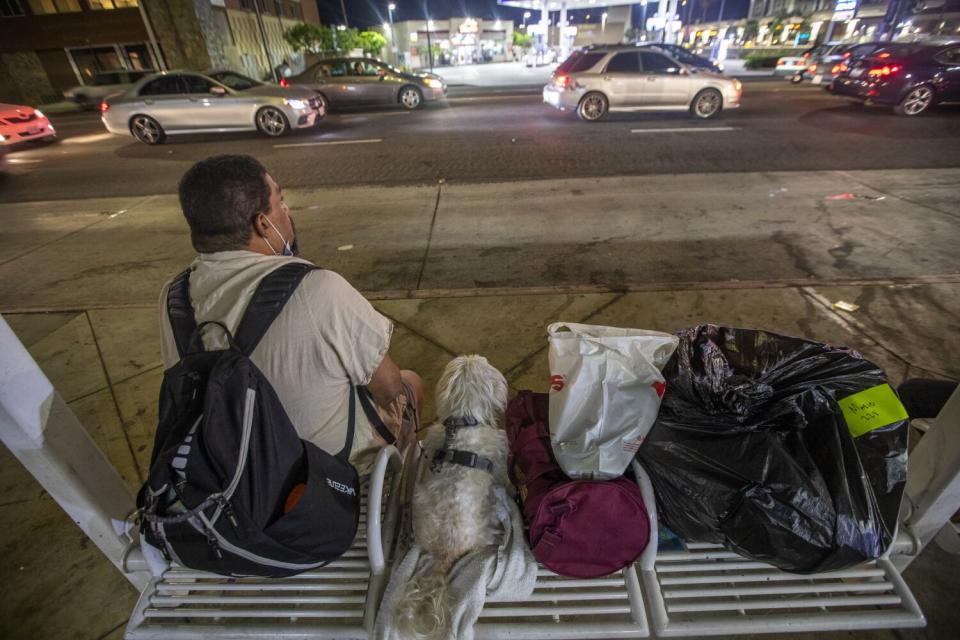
423, 610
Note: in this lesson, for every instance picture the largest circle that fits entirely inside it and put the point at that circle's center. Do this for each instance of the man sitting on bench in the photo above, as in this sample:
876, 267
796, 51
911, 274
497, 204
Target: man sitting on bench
326, 338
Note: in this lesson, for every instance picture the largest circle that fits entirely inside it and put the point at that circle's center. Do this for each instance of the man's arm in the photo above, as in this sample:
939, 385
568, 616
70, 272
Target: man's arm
385, 384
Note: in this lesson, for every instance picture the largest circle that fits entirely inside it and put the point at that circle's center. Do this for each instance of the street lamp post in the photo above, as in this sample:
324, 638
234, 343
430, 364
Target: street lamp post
603, 24
393, 42
526, 16
643, 18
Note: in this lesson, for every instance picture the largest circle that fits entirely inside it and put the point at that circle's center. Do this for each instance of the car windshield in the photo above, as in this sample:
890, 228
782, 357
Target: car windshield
235, 80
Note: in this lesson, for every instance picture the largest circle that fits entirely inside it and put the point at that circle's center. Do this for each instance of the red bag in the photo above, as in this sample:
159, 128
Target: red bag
577, 528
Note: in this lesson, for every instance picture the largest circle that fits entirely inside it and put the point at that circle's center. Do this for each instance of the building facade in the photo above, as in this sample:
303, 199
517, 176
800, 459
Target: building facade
455, 41
47, 46
803, 23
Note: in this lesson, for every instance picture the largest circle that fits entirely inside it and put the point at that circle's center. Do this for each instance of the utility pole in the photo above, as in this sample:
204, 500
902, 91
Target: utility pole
343, 8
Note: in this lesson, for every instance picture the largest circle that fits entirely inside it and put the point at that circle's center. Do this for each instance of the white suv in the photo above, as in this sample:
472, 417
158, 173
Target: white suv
597, 80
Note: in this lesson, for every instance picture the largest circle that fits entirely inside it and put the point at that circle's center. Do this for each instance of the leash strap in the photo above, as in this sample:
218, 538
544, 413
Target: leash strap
462, 458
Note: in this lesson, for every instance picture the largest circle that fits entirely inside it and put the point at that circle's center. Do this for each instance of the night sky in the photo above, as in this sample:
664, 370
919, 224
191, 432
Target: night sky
364, 13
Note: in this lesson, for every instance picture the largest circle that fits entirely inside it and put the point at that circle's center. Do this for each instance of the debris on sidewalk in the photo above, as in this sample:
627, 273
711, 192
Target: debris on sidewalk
845, 306
345, 247
854, 196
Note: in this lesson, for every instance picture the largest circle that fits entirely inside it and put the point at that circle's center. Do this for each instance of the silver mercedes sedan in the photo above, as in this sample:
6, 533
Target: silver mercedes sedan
597, 80
176, 102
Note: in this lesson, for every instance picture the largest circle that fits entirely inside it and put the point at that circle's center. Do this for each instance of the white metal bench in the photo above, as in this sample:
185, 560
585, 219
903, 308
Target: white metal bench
704, 590
707, 590
337, 601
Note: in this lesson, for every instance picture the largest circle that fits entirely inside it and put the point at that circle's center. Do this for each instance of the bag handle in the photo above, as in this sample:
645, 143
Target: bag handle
267, 302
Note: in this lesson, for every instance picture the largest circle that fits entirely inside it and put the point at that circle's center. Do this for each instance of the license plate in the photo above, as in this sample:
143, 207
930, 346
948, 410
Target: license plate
817, 79
856, 73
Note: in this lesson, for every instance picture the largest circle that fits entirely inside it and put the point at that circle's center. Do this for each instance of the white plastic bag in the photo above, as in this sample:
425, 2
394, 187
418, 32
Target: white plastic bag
605, 390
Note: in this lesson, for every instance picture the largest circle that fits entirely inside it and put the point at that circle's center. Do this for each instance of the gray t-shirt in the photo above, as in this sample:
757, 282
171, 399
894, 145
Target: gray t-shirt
327, 336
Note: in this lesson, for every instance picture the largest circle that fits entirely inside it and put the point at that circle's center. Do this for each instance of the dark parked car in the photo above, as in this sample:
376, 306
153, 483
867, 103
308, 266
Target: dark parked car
364, 81
687, 57
909, 77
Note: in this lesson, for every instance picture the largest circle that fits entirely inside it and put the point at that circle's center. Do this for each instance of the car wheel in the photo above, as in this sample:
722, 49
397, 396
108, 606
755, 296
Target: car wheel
706, 104
147, 130
915, 102
797, 79
324, 107
272, 122
410, 97
592, 107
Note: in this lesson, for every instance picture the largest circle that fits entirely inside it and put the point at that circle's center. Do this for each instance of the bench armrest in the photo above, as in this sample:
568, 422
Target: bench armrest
388, 457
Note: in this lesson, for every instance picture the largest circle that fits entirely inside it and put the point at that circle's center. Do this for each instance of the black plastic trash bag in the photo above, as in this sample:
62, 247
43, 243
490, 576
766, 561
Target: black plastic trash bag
754, 449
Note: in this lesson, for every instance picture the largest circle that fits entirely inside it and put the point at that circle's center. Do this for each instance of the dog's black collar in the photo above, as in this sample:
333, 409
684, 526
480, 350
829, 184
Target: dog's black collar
462, 458
455, 422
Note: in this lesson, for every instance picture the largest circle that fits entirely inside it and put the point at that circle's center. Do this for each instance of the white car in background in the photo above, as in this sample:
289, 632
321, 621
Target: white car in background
20, 124
599, 79
178, 102
102, 85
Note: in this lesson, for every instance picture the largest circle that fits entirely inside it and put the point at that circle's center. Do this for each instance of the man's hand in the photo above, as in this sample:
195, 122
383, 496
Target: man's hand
385, 384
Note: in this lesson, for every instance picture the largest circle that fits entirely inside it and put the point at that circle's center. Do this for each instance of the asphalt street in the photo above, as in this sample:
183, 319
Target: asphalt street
503, 136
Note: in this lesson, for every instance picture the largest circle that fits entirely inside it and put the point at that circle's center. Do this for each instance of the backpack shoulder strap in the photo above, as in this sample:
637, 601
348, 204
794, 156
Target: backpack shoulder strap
180, 311
267, 302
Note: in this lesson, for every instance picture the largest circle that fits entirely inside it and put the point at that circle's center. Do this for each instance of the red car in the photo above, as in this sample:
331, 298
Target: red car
19, 124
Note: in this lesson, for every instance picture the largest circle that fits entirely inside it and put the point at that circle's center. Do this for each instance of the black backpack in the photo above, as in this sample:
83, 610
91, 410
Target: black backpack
226, 456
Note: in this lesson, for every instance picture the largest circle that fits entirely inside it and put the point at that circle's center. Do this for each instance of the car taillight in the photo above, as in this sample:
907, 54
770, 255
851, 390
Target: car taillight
885, 54
839, 68
562, 82
284, 83
104, 105
846, 55
884, 71
812, 68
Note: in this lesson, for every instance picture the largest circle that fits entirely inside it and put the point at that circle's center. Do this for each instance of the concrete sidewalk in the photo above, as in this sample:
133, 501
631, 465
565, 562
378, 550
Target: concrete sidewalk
477, 268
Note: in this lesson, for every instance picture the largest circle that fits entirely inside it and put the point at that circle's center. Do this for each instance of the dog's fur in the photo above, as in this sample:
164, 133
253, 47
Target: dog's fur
453, 507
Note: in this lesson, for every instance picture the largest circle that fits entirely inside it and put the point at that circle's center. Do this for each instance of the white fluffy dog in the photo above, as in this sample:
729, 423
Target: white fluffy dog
453, 504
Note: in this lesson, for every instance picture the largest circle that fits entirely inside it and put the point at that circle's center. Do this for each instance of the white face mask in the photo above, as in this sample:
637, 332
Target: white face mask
286, 251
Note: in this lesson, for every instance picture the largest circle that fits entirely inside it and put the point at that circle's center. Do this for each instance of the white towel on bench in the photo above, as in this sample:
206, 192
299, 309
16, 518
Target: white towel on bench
504, 573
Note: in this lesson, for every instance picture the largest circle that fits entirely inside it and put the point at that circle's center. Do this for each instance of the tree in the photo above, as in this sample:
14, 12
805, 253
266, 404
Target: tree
522, 40
372, 42
305, 37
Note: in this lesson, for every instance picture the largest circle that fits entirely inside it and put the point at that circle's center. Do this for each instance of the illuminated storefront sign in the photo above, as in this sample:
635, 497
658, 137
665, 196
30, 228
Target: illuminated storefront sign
845, 10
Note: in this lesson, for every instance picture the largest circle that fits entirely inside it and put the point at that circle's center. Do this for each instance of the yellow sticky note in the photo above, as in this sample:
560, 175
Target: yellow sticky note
871, 409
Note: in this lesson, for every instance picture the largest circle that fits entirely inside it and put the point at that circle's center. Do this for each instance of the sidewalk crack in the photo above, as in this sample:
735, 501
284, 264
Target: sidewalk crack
433, 224
113, 397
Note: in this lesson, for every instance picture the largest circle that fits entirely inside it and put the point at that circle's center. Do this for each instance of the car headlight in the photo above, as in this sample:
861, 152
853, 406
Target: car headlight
295, 104
3, 138
433, 83
39, 113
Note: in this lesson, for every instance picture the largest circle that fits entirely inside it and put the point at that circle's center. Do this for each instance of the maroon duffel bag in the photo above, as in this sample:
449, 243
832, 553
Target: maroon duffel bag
577, 528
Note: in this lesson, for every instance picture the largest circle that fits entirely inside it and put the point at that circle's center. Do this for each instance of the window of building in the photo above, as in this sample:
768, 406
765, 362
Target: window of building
106, 5
10, 8
46, 7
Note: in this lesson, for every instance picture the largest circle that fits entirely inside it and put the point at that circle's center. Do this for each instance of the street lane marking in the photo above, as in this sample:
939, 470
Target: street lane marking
684, 129
328, 143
